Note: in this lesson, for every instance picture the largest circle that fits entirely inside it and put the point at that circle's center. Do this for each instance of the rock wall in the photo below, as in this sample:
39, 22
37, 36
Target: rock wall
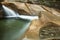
33, 31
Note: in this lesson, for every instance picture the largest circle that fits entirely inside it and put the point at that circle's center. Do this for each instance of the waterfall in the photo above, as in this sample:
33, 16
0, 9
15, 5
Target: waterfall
14, 29
10, 13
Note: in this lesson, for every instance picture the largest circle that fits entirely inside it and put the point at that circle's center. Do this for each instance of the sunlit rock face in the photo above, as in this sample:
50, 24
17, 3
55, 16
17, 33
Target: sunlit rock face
22, 9
15, 8
50, 31
50, 3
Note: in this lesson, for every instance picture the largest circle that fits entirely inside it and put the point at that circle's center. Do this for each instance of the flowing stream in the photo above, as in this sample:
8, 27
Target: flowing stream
12, 29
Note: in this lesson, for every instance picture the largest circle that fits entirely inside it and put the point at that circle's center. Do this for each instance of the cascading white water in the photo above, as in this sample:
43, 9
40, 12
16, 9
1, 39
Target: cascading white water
15, 28
8, 11
12, 13
12, 31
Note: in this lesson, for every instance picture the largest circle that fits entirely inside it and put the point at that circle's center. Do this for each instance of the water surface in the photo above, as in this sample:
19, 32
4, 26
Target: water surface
11, 29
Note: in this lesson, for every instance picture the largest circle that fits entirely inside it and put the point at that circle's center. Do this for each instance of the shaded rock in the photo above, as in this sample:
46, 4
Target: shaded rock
1, 0
51, 3
50, 31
